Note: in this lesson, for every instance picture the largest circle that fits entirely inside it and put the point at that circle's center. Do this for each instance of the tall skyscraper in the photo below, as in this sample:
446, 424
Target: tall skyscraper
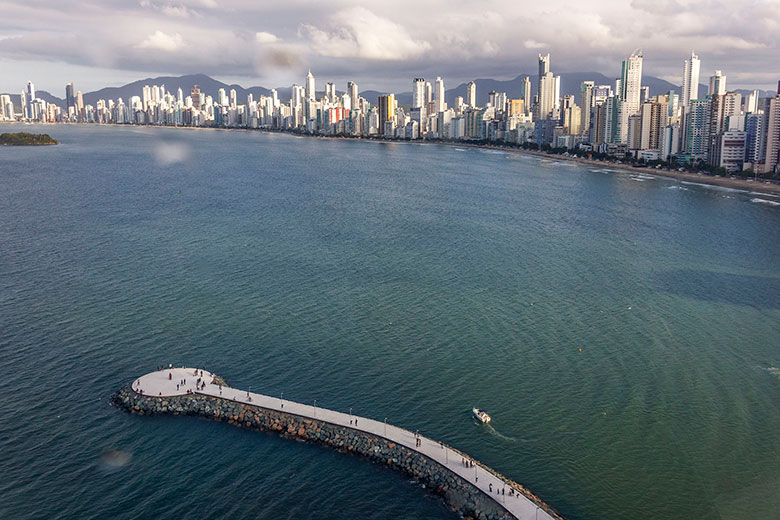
310, 89
418, 93
30, 99
631, 82
717, 84
586, 102
195, 94
544, 64
386, 113
330, 91
772, 133
751, 103
471, 94
525, 94
70, 96
352, 90
690, 83
697, 132
438, 96
547, 87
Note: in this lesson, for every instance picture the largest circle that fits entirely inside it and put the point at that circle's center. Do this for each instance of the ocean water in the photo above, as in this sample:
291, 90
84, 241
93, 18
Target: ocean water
622, 330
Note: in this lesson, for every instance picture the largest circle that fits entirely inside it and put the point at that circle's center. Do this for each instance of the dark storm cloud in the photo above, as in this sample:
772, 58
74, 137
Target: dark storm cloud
344, 39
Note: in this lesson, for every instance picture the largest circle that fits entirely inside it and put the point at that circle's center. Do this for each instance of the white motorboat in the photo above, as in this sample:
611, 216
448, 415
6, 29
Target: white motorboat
481, 415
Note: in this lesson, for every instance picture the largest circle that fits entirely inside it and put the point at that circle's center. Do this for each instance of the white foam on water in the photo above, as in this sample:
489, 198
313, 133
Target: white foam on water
764, 201
765, 194
674, 187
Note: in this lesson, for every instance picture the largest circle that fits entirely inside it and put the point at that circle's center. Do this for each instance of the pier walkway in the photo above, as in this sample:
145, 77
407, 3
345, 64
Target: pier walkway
163, 383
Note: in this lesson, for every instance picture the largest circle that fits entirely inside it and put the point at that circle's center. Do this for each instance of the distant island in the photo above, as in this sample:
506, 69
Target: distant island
26, 139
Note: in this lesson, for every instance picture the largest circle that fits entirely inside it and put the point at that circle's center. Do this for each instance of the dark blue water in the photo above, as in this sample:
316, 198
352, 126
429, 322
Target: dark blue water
405, 281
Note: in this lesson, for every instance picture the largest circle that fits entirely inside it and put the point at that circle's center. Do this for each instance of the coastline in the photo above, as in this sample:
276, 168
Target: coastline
695, 178
748, 186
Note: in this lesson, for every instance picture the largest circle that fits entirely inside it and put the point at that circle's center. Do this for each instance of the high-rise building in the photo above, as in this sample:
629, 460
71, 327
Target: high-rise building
717, 84
772, 133
631, 82
386, 112
471, 94
586, 102
70, 96
418, 93
751, 103
330, 91
233, 98
438, 96
525, 93
755, 140
547, 86
690, 84
697, 132
195, 94
544, 64
352, 90
30, 100
310, 89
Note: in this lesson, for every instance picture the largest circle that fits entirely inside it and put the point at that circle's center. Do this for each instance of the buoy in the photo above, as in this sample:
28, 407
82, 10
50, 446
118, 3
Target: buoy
580, 350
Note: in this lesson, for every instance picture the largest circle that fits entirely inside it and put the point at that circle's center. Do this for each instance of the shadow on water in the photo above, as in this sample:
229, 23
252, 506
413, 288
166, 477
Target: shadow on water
755, 291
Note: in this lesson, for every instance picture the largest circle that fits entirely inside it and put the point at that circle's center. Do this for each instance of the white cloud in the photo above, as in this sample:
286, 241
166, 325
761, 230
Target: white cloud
265, 37
533, 44
359, 33
162, 41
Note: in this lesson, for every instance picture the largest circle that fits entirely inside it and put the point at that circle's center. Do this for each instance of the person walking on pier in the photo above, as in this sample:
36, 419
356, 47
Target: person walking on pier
490, 487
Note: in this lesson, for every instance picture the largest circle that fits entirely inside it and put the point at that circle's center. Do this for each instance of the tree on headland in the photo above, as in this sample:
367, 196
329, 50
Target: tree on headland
26, 139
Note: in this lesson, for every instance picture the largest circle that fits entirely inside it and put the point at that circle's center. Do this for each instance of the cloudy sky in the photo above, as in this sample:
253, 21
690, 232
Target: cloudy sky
381, 45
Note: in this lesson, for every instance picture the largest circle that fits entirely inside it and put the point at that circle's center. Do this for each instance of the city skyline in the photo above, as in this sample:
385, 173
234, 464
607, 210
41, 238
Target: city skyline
377, 48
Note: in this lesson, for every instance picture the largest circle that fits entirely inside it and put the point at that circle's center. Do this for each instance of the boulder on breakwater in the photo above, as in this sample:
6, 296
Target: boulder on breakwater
457, 493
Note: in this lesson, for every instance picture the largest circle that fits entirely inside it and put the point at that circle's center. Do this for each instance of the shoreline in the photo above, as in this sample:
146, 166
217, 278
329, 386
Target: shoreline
747, 186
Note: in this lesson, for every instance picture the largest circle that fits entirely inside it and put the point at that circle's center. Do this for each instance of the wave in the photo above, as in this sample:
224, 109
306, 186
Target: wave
764, 201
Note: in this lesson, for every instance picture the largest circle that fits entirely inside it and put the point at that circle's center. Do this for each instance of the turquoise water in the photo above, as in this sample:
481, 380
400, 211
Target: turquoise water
405, 281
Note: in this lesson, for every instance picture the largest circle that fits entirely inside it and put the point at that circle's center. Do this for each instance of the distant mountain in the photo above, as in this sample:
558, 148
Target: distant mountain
16, 99
570, 85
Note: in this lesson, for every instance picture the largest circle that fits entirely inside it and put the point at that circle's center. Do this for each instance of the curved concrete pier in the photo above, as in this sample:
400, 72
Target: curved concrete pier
169, 384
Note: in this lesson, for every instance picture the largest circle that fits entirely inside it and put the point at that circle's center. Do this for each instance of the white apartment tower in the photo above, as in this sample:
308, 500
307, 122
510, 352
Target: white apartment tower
438, 97
310, 92
631, 82
525, 94
418, 93
717, 84
471, 94
547, 87
690, 83
352, 90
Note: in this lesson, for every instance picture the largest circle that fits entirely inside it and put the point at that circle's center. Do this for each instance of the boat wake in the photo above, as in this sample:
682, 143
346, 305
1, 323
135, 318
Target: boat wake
498, 434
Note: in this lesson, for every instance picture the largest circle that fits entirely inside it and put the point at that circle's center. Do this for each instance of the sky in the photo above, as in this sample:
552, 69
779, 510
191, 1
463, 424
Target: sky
380, 45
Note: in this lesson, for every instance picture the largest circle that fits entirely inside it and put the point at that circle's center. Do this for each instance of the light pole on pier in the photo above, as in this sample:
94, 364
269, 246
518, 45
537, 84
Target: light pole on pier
350, 416
281, 399
315, 408
385, 426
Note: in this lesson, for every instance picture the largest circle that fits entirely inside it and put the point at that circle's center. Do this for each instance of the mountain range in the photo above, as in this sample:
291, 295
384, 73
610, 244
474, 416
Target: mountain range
570, 85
